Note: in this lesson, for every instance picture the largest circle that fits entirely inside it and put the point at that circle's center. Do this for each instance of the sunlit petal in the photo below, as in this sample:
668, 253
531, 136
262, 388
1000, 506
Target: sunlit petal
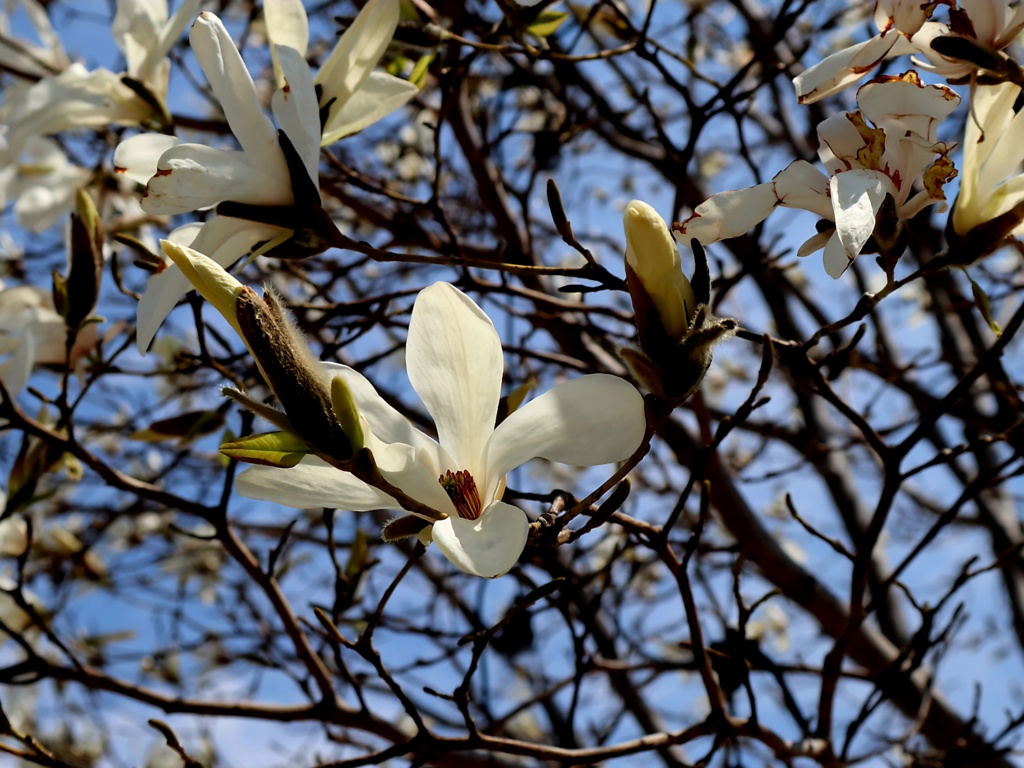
488, 546
312, 483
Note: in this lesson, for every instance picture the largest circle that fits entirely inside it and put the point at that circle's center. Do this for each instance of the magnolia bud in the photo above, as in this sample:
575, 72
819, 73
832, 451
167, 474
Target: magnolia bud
654, 274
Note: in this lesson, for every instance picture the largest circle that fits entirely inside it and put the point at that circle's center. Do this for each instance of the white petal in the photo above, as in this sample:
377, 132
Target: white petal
137, 158
836, 258
194, 176
312, 483
358, 52
416, 471
223, 239
296, 110
454, 359
801, 185
286, 24
729, 214
233, 86
488, 546
377, 98
16, 369
596, 419
856, 198
837, 71
899, 106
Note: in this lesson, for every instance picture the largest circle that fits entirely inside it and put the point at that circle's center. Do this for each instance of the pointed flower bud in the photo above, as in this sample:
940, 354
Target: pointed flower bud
75, 295
210, 279
285, 360
653, 269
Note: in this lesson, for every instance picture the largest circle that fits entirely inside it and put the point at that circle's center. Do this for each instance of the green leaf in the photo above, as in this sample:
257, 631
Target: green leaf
546, 23
273, 449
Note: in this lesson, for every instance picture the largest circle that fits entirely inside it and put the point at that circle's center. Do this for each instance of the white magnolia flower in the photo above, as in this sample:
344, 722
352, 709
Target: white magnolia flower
897, 22
187, 177
454, 359
352, 91
145, 33
24, 57
881, 150
33, 334
42, 182
991, 183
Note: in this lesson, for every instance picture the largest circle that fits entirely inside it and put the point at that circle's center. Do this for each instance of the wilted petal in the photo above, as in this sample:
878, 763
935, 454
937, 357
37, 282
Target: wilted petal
455, 364
233, 86
729, 214
296, 110
310, 484
832, 74
193, 176
595, 419
379, 96
801, 185
488, 546
904, 104
137, 158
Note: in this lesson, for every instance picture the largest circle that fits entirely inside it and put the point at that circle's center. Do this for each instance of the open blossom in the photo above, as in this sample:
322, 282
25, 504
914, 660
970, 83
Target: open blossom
990, 25
267, 194
25, 57
42, 184
991, 183
454, 359
880, 151
145, 33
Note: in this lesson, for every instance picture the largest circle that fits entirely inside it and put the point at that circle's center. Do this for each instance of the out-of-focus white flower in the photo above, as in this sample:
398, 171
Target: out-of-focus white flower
352, 92
15, 619
145, 33
33, 334
25, 57
897, 22
42, 183
881, 150
991, 183
454, 359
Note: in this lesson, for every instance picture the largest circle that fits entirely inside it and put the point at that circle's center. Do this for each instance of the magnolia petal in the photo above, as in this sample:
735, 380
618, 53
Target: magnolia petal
815, 243
137, 158
801, 185
385, 421
837, 71
223, 239
488, 546
729, 214
295, 107
286, 24
856, 198
167, 36
194, 176
454, 359
233, 86
310, 484
837, 260
357, 52
416, 471
16, 369
379, 96
902, 106
596, 419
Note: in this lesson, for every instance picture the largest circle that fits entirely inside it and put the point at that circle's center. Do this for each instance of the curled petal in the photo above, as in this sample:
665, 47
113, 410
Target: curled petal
310, 484
137, 158
835, 72
488, 546
193, 176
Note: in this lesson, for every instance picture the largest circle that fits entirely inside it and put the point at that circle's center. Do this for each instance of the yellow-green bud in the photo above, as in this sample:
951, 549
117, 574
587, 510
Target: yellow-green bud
652, 256
210, 279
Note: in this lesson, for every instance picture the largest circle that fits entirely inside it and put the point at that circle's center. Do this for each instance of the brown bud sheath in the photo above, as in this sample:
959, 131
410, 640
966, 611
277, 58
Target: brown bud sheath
292, 373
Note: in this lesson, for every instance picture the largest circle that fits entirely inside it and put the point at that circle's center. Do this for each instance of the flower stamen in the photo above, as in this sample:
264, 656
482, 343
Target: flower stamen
461, 489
